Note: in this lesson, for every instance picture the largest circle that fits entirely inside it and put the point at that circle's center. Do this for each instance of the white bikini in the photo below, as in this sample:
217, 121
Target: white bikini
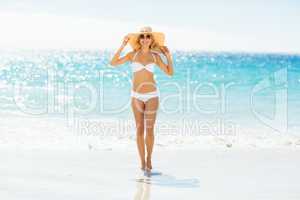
136, 66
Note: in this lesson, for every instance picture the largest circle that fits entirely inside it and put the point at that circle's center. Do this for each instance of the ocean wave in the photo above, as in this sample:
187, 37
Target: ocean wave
107, 133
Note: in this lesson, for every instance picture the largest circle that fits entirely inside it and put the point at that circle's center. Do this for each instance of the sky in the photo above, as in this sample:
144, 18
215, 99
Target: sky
214, 25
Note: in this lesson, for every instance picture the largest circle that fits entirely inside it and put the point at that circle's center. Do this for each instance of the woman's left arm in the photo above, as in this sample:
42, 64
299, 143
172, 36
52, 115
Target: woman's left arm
167, 68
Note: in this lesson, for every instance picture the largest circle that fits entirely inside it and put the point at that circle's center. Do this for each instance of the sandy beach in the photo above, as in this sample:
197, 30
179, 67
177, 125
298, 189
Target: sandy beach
217, 173
43, 159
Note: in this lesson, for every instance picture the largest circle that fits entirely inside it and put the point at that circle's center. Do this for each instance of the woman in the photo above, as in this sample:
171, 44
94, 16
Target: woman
144, 94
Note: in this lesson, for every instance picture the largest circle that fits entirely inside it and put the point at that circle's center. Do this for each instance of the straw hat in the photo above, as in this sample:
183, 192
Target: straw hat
158, 37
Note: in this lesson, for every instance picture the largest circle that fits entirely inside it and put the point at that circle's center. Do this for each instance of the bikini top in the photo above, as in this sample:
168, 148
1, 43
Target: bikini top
137, 66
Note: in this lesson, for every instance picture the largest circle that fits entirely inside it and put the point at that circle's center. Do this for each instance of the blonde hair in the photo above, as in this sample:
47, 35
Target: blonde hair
153, 44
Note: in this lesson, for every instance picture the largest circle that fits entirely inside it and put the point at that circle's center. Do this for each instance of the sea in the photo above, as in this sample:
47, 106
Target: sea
75, 98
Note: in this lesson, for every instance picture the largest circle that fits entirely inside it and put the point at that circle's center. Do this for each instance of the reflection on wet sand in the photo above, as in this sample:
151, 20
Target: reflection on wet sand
145, 182
143, 190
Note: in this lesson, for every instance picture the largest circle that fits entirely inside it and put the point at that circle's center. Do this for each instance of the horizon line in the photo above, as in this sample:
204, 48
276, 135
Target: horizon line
172, 50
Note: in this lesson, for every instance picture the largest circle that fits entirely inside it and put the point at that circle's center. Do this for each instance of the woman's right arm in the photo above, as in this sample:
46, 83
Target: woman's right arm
116, 60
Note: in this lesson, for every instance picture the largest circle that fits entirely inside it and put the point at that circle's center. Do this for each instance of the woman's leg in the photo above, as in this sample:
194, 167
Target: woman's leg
151, 107
138, 108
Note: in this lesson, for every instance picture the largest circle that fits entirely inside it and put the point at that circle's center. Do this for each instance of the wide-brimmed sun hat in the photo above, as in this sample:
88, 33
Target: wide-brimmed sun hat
159, 37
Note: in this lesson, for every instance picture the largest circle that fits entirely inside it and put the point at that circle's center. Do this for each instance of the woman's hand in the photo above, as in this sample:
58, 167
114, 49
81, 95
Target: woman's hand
164, 50
125, 40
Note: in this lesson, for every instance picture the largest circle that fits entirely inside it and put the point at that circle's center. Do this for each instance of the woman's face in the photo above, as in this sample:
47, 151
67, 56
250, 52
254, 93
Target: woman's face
145, 39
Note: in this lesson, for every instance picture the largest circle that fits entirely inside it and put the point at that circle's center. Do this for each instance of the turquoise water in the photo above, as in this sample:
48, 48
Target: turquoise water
205, 86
